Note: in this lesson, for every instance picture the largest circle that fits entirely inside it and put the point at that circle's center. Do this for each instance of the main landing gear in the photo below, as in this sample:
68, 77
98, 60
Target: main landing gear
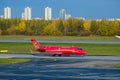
57, 55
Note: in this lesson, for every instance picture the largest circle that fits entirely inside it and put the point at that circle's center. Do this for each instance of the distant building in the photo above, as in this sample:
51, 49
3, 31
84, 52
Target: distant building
48, 13
1, 16
62, 14
80, 18
7, 13
118, 19
26, 15
113, 19
23, 16
37, 18
67, 16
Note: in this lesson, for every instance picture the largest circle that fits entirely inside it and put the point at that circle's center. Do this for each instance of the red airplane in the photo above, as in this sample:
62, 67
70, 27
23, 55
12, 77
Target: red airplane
58, 50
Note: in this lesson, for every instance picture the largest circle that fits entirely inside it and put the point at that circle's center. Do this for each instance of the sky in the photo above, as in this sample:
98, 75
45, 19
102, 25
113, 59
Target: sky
90, 9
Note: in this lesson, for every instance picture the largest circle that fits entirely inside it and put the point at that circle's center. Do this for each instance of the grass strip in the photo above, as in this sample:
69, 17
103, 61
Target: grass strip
92, 49
4, 61
117, 66
21, 37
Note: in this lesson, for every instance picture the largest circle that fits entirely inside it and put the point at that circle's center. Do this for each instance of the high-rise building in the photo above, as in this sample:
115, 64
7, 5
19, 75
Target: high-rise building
48, 13
62, 14
26, 15
67, 16
7, 13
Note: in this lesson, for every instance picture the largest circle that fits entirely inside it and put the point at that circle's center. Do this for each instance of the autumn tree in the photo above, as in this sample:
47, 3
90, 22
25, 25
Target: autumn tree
107, 28
12, 30
0, 31
29, 30
60, 26
94, 27
21, 27
87, 25
66, 26
118, 31
72, 26
116, 27
52, 29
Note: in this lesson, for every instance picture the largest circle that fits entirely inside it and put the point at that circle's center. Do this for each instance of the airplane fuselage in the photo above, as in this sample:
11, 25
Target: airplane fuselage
65, 50
58, 50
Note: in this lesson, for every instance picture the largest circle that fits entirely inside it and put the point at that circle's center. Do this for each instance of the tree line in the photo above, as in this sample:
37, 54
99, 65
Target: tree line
70, 27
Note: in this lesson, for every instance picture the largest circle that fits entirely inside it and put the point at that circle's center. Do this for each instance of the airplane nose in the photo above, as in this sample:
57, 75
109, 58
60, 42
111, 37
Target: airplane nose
83, 52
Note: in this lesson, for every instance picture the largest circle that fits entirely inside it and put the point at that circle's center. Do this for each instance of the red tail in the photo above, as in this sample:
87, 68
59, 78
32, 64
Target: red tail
37, 46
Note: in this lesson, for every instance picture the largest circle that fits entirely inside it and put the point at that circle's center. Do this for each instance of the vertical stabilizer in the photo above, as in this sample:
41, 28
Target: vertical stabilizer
37, 46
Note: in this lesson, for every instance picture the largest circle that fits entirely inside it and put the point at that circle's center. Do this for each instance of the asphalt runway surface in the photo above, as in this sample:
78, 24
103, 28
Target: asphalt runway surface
69, 41
44, 67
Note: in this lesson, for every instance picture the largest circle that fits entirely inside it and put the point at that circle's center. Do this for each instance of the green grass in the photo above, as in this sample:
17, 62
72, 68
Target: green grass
92, 49
21, 37
16, 47
4, 61
117, 65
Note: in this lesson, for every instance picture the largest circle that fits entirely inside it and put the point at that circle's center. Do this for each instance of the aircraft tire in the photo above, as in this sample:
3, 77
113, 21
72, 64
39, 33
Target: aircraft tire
56, 55
59, 55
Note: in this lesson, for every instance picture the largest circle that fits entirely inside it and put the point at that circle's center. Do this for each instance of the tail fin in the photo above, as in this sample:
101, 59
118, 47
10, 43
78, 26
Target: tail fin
37, 46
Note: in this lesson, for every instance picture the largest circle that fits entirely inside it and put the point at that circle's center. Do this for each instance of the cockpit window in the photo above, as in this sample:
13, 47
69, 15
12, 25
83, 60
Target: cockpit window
80, 49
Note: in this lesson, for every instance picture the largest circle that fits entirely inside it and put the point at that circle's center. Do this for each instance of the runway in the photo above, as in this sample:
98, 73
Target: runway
57, 68
45, 55
69, 41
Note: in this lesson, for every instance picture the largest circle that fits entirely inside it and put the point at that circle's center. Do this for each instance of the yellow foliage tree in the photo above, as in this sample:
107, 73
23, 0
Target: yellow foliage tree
87, 25
0, 31
108, 28
21, 27
12, 29
51, 29
66, 25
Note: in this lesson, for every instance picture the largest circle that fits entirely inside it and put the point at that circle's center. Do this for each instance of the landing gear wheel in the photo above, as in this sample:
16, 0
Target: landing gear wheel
54, 55
59, 55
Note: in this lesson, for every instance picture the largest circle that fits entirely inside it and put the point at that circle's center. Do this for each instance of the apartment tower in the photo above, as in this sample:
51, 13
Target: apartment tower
26, 15
7, 13
48, 13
